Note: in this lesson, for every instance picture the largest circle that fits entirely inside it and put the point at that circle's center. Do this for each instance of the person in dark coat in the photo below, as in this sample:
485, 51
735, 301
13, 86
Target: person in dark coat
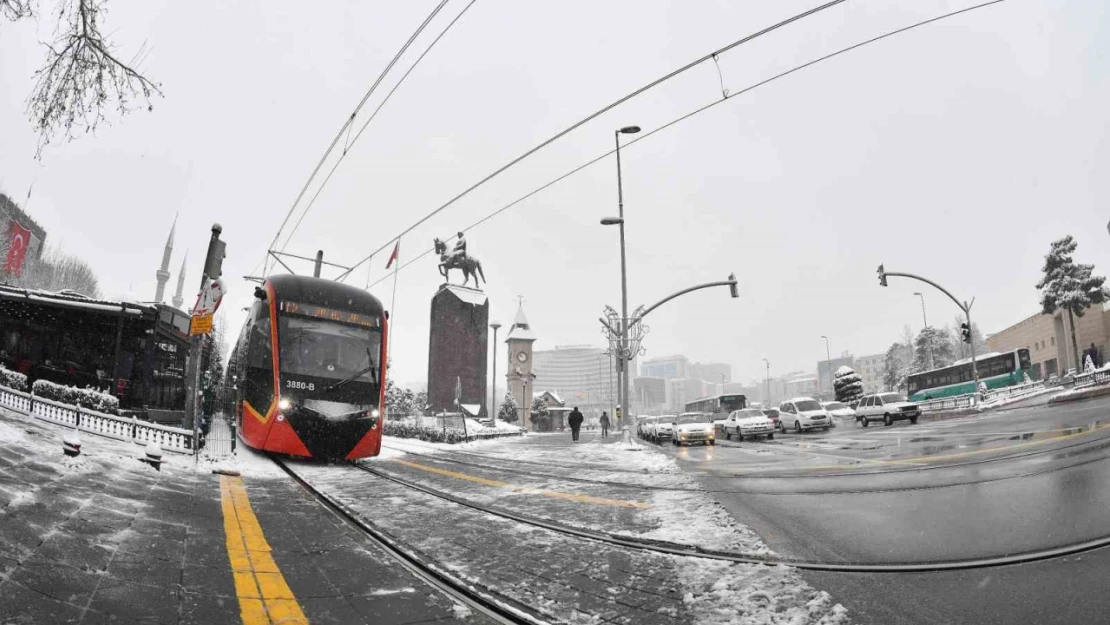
575, 422
604, 422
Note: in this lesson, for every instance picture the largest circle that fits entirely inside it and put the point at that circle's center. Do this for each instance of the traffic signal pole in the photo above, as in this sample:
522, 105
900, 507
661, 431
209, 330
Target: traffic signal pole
213, 269
964, 306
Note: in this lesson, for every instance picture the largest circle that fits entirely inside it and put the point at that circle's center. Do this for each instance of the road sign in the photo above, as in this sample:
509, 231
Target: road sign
200, 324
209, 298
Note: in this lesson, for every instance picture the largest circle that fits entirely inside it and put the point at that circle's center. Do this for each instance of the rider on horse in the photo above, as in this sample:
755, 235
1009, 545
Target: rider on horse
459, 252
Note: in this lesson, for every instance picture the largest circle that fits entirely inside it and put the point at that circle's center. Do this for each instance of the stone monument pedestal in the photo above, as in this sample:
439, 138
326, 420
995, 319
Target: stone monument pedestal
457, 348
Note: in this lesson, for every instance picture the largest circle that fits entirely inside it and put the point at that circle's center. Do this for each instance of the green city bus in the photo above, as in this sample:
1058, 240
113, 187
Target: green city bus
995, 370
718, 405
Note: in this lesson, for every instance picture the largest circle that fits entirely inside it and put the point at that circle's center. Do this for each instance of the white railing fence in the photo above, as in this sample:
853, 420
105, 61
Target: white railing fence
1083, 380
452, 423
1018, 390
93, 422
956, 402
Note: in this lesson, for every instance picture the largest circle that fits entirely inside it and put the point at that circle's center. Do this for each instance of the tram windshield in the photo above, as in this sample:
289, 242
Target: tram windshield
328, 349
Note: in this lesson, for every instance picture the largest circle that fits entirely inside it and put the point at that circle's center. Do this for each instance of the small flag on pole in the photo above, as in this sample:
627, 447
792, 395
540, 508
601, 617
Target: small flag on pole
393, 256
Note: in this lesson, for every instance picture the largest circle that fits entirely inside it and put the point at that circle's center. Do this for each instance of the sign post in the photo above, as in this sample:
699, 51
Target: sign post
200, 324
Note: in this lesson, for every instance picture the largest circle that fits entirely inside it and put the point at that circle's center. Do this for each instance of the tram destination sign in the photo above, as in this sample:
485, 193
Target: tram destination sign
332, 314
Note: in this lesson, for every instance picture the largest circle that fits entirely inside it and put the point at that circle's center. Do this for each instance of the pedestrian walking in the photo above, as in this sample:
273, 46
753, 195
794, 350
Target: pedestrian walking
575, 421
604, 421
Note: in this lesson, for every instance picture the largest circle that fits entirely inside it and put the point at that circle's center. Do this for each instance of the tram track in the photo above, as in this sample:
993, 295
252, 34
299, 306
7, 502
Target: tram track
683, 550
498, 609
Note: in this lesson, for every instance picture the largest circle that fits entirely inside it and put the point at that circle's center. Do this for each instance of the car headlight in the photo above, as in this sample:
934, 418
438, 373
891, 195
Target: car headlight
284, 404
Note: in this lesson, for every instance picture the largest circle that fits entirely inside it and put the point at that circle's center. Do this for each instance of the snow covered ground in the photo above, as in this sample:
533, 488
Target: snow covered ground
715, 592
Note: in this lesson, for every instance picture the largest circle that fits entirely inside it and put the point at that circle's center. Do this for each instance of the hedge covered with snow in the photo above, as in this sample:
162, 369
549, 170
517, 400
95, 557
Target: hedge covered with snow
13, 379
87, 397
431, 435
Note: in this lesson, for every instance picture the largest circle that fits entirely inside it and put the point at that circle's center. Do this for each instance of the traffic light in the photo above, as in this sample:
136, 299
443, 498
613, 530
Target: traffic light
882, 276
965, 332
214, 264
733, 289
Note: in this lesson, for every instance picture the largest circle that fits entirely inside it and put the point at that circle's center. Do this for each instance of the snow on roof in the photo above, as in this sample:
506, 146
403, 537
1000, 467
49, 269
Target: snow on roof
469, 296
554, 395
520, 331
978, 357
472, 409
71, 300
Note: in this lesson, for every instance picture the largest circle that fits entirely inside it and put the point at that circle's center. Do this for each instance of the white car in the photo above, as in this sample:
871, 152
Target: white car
838, 410
803, 413
750, 422
886, 407
661, 428
693, 428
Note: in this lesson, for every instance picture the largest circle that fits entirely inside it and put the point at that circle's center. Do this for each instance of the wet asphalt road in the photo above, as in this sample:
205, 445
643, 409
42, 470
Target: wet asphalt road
1012, 482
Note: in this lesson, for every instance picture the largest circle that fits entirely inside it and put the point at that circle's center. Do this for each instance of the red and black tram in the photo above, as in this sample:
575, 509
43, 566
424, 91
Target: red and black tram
309, 370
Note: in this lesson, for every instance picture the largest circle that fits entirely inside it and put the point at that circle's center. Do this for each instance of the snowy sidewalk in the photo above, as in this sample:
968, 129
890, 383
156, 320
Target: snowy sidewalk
104, 538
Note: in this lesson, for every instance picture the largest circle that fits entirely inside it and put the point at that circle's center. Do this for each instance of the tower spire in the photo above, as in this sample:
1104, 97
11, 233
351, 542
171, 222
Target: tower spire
179, 297
163, 273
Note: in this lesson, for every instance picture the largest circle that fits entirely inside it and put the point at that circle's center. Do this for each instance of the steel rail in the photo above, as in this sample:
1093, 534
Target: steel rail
499, 609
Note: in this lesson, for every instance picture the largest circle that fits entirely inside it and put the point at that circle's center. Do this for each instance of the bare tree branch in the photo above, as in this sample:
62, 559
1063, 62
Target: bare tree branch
13, 10
81, 77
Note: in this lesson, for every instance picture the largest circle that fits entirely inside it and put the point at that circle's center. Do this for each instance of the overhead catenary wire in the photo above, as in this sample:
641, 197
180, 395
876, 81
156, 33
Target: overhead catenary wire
597, 114
351, 142
702, 109
348, 122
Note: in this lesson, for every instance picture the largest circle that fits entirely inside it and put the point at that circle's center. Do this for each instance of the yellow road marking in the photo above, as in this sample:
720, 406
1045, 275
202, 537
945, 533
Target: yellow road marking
264, 597
601, 501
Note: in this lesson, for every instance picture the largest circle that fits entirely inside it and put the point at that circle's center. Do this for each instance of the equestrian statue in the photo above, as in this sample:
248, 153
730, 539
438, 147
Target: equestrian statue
458, 259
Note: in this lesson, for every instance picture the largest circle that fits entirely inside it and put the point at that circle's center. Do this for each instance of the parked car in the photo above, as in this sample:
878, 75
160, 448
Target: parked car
661, 428
693, 428
749, 422
886, 407
838, 410
773, 415
641, 423
803, 413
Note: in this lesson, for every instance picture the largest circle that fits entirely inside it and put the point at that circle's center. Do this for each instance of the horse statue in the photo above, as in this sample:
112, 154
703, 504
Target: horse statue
468, 265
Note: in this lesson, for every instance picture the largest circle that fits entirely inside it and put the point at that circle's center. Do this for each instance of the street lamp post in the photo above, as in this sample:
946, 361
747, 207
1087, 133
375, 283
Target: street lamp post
623, 356
828, 360
767, 383
493, 394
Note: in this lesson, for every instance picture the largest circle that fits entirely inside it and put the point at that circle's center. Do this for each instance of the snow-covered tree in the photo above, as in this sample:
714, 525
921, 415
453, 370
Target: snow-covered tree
847, 384
934, 343
57, 271
899, 357
399, 401
1067, 285
509, 410
539, 415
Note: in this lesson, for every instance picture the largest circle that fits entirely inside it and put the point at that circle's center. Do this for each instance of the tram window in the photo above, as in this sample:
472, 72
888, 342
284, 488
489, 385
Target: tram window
261, 347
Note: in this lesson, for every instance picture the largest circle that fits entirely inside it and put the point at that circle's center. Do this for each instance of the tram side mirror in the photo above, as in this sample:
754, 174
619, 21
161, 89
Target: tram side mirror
260, 293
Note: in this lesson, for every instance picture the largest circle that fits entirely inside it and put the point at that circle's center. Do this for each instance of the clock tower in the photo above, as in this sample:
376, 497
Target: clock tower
520, 376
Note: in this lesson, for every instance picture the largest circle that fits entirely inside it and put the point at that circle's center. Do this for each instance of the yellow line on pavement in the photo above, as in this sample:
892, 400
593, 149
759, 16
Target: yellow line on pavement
601, 501
264, 597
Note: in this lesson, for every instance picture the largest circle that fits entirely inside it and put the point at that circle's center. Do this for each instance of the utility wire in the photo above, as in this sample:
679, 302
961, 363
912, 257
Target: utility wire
348, 122
351, 142
596, 114
700, 110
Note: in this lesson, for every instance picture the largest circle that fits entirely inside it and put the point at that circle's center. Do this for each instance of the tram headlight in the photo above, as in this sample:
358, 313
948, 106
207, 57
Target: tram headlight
374, 414
284, 404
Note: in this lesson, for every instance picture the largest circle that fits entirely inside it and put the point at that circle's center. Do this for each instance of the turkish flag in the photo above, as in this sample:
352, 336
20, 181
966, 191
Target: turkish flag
19, 239
396, 253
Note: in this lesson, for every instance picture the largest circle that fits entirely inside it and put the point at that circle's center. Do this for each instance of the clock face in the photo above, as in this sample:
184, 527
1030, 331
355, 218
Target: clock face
522, 357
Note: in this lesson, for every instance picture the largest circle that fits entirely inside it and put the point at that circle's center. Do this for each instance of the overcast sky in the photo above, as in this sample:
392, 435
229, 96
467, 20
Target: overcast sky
959, 151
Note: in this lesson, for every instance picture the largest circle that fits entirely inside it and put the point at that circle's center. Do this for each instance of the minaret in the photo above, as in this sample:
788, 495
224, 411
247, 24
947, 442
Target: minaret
520, 376
178, 298
163, 274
